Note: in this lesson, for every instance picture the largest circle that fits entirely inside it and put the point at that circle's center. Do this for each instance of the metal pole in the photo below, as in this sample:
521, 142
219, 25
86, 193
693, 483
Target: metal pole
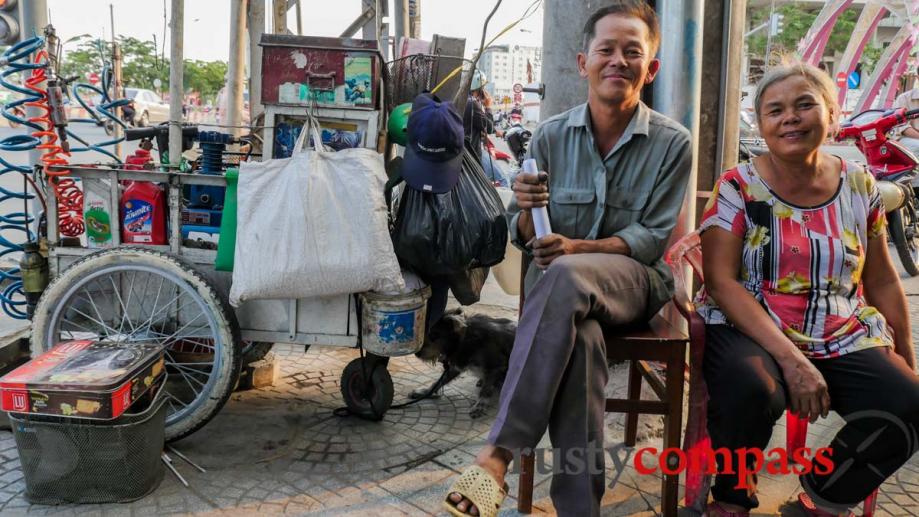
116, 69
678, 87
279, 16
564, 86
735, 13
299, 19
235, 67
400, 13
34, 16
369, 30
256, 28
176, 81
414, 29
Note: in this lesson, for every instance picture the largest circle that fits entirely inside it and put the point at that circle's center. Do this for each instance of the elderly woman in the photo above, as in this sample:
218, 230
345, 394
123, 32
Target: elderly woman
803, 306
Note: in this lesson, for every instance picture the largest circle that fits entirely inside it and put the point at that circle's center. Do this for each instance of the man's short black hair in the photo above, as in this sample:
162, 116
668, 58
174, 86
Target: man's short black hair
634, 8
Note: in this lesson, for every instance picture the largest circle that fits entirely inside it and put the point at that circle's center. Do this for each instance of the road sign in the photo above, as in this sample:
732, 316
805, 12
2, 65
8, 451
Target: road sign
841, 79
93, 77
518, 98
855, 80
518, 88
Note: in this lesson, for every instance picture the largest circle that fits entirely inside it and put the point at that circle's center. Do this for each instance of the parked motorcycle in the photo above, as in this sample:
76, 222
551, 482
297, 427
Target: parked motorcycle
895, 168
518, 139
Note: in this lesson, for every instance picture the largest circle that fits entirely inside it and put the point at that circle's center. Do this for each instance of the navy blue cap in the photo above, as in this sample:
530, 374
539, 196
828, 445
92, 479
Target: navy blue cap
434, 154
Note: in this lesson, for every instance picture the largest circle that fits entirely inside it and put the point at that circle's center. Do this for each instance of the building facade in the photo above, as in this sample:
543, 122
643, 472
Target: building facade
506, 65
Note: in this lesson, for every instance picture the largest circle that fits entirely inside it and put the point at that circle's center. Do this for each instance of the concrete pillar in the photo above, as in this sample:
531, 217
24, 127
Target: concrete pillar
176, 81
256, 26
235, 67
563, 21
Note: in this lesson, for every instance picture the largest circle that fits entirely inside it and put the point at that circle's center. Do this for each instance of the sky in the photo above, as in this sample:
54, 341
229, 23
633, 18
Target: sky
207, 22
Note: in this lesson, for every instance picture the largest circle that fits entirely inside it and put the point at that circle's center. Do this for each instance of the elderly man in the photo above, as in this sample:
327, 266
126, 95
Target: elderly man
617, 173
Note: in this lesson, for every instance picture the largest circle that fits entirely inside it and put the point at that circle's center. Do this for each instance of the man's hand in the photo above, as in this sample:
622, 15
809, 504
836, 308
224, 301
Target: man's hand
551, 247
531, 190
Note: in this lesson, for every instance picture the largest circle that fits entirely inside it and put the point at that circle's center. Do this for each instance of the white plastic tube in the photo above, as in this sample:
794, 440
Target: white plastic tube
540, 214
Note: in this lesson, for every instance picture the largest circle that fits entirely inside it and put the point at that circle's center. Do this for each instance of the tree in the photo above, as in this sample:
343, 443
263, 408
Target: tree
86, 58
798, 20
206, 78
141, 66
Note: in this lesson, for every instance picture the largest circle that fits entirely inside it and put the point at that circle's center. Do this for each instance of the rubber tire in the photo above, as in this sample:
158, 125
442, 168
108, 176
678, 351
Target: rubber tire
895, 221
144, 120
381, 389
256, 351
225, 318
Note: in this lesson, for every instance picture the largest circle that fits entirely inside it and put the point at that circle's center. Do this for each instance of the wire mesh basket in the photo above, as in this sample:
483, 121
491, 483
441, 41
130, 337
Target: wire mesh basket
77, 460
406, 77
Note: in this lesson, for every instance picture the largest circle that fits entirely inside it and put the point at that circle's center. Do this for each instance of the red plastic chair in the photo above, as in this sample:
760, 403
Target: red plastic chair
687, 254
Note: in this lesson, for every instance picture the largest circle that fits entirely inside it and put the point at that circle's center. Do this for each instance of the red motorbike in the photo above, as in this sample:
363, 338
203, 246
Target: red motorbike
896, 169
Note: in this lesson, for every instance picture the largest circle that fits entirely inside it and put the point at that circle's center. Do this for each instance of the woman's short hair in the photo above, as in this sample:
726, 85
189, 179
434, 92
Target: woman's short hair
813, 75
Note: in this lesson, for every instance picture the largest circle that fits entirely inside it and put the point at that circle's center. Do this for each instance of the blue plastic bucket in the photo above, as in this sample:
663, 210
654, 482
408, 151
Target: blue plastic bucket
393, 324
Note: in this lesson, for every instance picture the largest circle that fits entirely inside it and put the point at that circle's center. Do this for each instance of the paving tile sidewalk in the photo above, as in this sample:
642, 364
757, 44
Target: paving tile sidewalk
280, 450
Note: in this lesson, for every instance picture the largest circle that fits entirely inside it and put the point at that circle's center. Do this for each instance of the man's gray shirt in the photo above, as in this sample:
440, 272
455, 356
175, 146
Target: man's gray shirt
635, 192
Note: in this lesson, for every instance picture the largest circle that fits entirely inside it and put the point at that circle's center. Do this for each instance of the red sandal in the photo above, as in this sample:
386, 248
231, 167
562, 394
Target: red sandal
716, 510
811, 509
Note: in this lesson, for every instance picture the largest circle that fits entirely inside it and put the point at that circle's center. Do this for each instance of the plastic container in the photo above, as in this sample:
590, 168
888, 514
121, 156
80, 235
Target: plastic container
507, 272
66, 460
392, 325
226, 246
143, 214
83, 379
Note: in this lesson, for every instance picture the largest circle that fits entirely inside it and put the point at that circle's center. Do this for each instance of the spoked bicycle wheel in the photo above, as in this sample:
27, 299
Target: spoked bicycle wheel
133, 295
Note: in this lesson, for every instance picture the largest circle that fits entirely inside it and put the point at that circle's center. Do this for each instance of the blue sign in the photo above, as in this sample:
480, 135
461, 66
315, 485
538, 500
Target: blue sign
855, 79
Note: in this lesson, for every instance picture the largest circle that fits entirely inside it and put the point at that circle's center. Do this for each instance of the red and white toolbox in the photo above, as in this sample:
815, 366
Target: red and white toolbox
84, 379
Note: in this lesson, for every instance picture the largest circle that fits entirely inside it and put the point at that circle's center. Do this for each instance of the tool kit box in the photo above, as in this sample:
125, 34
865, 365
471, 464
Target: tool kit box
84, 379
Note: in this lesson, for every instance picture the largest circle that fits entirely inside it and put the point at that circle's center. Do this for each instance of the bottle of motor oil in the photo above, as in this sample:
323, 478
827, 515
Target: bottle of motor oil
143, 214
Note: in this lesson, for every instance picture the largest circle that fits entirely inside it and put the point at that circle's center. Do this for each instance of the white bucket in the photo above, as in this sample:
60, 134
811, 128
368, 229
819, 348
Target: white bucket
393, 324
507, 273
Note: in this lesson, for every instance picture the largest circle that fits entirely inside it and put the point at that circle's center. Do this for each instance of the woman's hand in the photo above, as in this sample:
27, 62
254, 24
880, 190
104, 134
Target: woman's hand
807, 388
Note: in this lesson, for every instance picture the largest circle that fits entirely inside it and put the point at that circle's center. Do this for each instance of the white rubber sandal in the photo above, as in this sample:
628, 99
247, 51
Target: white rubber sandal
478, 486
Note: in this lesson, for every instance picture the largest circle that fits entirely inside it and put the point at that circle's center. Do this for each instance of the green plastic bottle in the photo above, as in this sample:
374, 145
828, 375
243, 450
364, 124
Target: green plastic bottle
226, 246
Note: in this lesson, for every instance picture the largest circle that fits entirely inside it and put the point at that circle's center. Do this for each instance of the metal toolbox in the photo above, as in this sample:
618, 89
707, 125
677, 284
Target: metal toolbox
83, 379
325, 72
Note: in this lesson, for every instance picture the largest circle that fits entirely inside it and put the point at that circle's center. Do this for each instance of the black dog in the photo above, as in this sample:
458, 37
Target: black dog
477, 343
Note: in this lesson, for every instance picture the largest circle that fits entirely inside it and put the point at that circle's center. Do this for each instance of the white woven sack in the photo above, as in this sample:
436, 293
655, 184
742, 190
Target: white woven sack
314, 224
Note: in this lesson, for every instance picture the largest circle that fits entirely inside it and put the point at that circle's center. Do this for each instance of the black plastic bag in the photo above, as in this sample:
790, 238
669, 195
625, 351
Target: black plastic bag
467, 286
453, 232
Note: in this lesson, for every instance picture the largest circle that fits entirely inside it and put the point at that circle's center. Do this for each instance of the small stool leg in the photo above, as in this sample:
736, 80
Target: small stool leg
525, 488
634, 393
871, 503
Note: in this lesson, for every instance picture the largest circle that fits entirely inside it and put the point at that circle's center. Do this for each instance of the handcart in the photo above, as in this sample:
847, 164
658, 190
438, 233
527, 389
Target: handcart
172, 294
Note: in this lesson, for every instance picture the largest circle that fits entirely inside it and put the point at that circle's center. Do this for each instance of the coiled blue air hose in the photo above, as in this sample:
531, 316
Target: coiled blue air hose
16, 60
105, 110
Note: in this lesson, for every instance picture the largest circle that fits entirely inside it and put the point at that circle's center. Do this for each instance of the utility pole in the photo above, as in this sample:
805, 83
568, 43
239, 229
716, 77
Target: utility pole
176, 82
256, 26
235, 67
116, 68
